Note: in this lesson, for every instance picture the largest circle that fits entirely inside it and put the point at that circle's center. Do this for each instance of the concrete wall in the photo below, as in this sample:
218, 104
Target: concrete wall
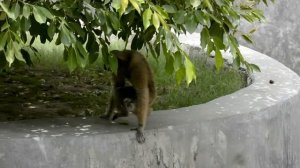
279, 36
255, 127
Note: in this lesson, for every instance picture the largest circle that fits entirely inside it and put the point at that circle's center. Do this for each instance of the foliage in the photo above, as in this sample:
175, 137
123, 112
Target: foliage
84, 27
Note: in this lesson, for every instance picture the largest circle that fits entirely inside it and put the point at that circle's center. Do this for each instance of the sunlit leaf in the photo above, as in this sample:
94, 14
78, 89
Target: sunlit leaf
135, 4
190, 71
10, 53
6, 9
26, 11
147, 15
124, 5
155, 20
38, 15
218, 60
116, 4
195, 3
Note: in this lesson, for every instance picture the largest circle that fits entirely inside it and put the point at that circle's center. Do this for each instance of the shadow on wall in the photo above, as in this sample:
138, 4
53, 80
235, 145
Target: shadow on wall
278, 36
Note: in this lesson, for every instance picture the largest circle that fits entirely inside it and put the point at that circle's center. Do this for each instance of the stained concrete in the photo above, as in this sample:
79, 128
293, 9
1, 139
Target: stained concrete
255, 127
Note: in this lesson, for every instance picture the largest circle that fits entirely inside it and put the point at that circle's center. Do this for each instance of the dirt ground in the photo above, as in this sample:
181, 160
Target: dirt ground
29, 93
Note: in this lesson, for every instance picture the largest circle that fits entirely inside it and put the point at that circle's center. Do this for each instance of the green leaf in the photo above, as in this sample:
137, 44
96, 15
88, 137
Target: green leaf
179, 74
2, 16
208, 5
3, 39
146, 18
6, 9
114, 21
195, 3
113, 63
149, 33
219, 43
252, 31
71, 59
26, 11
163, 22
116, 4
190, 71
16, 9
26, 56
5, 26
155, 20
177, 60
247, 38
179, 17
210, 47
135, 4
38, 15
25, 24
169, 68
64, 36
169, 40
18, 55
219, 60
161, 12
81, 59
45, 12
169, 8
190, 23
51, 30
10, 53
152, 51
105, 54
83, 53
255, 67
124, 5
205, 38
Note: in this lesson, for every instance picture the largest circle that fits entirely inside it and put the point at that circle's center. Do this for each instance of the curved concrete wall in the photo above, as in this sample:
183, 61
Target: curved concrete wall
256, 127
279, 36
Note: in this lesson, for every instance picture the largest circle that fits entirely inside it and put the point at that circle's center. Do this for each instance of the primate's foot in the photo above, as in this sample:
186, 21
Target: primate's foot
139, 135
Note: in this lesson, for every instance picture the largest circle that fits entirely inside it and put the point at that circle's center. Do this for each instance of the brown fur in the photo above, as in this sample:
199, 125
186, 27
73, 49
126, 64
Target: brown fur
132, 66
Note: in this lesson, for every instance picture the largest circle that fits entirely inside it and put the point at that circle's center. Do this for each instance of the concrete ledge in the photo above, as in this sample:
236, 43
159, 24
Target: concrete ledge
256, 127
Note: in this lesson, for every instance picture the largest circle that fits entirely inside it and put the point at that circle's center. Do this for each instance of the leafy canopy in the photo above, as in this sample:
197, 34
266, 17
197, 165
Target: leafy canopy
84, 27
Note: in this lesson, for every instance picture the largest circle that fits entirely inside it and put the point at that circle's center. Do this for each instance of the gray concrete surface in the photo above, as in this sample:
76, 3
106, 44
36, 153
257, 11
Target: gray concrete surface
278, 36
256, 127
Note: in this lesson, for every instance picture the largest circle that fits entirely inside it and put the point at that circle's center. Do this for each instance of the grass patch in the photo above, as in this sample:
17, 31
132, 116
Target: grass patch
48, 89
